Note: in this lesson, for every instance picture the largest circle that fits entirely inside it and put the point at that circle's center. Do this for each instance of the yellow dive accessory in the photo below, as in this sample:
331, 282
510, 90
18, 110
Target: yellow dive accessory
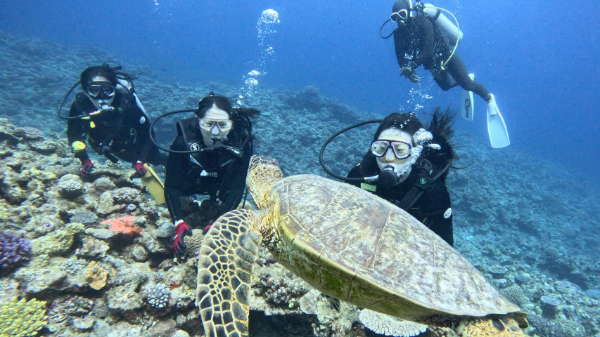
154, 185
78, 146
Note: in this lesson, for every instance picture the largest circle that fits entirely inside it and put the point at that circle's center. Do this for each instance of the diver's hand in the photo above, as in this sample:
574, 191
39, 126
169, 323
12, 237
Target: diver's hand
86, 168
413, 77
406, 71
140, 171
206, 228
181, 230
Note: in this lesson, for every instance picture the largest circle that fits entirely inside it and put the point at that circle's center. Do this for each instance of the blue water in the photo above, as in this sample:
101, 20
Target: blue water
538, 58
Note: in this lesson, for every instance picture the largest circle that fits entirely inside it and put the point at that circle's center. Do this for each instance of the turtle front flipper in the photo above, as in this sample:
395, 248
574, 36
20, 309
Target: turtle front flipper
224, 273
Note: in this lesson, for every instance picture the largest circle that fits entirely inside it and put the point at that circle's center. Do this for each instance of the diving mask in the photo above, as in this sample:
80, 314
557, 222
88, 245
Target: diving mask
401, 150
98, 90
399, 16
208, 124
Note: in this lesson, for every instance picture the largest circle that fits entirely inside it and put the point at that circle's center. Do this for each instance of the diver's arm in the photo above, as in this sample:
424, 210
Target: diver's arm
143, 131
354, 173
237, 184
399, 47
76, 131
427, 43
176, 178
437, 212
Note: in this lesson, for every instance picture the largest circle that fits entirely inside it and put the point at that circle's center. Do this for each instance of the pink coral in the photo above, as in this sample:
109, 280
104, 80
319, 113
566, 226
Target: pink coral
123, 225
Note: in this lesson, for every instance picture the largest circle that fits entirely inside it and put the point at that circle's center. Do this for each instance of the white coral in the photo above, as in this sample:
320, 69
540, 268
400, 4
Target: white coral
390, 326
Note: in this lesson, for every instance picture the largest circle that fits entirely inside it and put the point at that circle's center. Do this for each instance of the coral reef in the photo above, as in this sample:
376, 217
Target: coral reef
98, 244
22, 318
383, 324
123, 225
158, 295
95, 276
13, 250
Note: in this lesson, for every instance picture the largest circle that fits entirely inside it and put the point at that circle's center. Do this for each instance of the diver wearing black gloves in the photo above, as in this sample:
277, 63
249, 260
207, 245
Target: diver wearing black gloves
425, 37
222, 139
109, 116
412, 163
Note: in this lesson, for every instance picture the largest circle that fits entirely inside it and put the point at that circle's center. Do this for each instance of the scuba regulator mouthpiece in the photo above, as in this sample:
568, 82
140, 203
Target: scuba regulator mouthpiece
387, 178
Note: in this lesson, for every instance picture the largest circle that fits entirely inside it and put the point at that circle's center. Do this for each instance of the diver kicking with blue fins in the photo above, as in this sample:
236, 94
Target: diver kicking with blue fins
425, 36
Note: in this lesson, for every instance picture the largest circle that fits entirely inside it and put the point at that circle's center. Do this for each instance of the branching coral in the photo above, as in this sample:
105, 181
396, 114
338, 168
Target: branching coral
13, 250
22, 318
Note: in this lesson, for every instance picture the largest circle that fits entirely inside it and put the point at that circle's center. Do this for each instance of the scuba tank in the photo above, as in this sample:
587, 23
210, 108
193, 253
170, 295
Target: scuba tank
446, 26
126, 86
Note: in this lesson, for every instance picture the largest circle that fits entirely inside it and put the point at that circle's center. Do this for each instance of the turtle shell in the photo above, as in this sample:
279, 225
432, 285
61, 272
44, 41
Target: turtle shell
355, 246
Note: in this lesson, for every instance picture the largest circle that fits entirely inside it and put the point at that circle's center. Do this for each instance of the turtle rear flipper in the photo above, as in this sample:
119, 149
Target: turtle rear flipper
224, 273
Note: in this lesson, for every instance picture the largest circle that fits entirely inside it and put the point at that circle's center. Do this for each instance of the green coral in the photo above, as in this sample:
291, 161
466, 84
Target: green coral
22, 318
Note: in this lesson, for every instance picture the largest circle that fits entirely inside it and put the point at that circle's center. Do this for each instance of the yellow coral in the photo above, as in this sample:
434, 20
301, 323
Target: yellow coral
22, 318
95, 276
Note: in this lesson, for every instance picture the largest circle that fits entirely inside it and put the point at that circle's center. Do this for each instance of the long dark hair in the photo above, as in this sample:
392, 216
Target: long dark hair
406, 121
112, 74
241, 117
440, 127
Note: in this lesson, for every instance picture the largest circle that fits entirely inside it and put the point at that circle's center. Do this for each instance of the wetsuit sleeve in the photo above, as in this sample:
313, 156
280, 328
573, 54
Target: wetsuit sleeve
236, 185
76, 130
143, 142
427, 43
400, 50
436, 212
176, 178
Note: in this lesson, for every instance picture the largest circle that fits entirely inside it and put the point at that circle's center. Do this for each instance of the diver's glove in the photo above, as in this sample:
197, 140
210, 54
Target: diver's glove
181, 230
406, 71
86, 168
206, 228
414, 77
140, 171
410, 73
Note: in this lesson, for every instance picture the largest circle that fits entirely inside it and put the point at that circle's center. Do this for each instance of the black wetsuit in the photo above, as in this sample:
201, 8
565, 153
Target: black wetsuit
125, 130
421, 42
224, 172
430, 208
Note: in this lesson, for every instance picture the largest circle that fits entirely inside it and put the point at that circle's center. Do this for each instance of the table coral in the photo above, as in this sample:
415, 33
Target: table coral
123, 225
22, 318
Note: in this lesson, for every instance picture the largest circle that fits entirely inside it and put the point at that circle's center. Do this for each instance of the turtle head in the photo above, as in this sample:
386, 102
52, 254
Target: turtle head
263, 174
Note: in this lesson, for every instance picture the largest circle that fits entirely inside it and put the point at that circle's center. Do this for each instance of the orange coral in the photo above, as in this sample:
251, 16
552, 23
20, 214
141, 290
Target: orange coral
123, 225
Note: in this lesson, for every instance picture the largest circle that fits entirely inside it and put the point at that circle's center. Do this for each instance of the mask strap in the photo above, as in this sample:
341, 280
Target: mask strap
380, 29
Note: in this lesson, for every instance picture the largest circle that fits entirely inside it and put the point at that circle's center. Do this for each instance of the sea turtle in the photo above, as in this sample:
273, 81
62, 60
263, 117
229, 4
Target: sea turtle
349, 244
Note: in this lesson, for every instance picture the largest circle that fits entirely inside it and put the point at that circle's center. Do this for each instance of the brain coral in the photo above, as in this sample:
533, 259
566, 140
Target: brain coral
13, 250
22, 318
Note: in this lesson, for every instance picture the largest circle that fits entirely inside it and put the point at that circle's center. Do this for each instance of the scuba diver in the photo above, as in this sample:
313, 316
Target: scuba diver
425, 37
210, 156
407, 165
412, 163
111, 119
